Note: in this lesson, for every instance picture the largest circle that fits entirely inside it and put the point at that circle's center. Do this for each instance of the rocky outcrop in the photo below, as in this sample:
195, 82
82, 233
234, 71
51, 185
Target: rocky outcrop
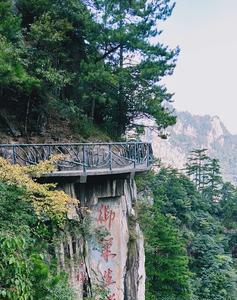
194, 132
107, 254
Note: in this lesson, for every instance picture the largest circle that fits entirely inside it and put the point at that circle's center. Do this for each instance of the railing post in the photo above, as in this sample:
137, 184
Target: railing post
49, 154
84, 158
135, 155
110, 157
14, 154
148, 154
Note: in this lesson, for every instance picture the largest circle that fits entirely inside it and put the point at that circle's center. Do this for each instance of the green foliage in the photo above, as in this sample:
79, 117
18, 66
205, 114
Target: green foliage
197, 166
10, 24
136, 63
12, 71
198, 216
95, 56
27, 265
206, 173
215, 276
168, 276
14, 267
166, 260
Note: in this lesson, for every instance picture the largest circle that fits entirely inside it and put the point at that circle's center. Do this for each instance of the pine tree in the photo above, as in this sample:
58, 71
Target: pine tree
196, 167
137, 64
84, 62
214, 182
209, 238
167, 271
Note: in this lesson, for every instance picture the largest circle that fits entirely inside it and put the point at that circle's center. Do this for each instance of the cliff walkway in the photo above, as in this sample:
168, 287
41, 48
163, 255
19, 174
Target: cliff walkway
84, 159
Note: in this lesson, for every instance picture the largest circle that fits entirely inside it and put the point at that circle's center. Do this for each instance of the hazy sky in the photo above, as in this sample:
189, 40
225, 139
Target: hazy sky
205, 79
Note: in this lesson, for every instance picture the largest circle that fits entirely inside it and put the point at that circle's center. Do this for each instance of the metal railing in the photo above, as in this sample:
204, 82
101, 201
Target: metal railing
82, 156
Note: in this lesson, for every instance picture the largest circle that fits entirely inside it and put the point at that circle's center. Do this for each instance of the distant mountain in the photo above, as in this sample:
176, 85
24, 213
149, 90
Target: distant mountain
192, 132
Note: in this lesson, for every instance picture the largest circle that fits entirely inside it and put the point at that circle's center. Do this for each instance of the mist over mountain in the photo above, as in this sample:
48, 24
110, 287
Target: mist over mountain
192, 132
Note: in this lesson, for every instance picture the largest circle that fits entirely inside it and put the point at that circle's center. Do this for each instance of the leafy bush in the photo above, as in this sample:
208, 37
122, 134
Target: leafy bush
28, 224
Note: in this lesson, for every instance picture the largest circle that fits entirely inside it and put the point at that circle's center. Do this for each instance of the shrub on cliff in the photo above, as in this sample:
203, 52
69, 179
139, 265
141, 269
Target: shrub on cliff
31, 214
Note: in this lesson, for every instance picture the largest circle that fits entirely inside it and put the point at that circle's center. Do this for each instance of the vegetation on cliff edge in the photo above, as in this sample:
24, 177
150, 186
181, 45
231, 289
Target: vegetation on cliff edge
32, 217
89, 65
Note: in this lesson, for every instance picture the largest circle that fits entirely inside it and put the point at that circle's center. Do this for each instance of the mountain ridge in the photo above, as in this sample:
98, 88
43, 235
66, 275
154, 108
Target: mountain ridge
195, 132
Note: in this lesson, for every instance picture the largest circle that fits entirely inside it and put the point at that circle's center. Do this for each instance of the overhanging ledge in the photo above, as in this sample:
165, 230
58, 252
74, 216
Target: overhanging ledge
98, 172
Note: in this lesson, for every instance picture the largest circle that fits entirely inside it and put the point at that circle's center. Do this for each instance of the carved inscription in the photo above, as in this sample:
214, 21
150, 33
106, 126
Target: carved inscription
106, 216
111, 297
107, 244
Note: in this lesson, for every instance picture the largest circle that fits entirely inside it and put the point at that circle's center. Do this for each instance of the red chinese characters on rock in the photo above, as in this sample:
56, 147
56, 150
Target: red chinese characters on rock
107, 244
108, 278
106, 215
111, 297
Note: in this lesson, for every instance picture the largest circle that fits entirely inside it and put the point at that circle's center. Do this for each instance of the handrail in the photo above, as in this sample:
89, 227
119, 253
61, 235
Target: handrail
82, 157
73, 144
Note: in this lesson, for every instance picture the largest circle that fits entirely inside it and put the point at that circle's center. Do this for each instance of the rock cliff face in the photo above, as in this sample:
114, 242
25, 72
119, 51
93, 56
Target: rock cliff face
192, 132
109, 255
